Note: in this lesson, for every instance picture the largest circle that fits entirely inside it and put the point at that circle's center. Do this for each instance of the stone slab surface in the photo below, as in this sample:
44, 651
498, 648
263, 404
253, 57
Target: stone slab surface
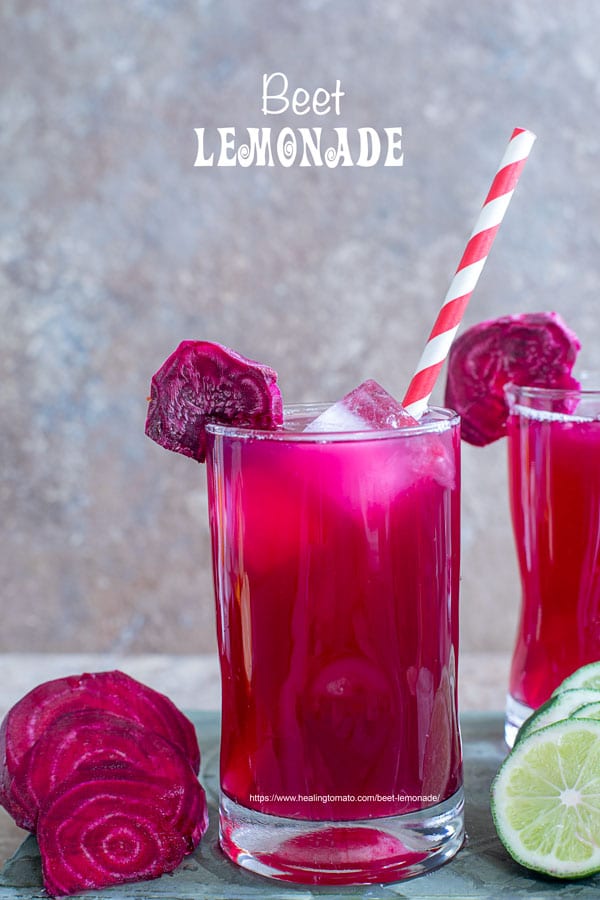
194, 681
482, 869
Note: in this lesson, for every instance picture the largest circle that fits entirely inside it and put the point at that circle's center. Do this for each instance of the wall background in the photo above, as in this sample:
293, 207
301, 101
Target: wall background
113, 248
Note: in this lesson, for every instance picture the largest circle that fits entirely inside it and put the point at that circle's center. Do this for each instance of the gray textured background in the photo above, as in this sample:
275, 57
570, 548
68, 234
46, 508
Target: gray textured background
113, 248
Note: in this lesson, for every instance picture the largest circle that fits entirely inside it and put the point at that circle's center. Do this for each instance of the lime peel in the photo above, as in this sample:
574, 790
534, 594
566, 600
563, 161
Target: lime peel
558, 707
585, 677
588, 711
546, 800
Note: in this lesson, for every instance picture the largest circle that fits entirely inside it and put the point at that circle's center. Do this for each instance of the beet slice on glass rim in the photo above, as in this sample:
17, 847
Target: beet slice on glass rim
204, 382
533, 349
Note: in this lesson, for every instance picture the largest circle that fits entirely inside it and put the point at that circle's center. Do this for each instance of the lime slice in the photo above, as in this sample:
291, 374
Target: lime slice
546, 800
556, 708
585, 677
588, 711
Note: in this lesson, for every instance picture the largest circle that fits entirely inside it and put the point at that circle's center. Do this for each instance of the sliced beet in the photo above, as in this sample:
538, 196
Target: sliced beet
204, 382
114, 825
113, 691
535, 349
88, 738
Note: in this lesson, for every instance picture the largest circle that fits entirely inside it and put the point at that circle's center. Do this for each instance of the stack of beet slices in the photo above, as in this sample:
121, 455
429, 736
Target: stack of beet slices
104, 770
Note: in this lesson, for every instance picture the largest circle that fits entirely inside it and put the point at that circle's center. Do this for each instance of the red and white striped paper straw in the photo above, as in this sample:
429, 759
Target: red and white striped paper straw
469, 269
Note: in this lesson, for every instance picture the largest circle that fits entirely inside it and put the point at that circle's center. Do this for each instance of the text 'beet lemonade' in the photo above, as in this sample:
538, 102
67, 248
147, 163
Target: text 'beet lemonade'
336, 572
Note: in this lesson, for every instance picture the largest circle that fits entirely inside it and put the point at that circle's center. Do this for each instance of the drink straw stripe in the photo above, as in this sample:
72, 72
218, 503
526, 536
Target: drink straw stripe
519, 147
493, 212
463, 283
453, 313
505, 180
468, 271
412, 402
437, 347
478, 247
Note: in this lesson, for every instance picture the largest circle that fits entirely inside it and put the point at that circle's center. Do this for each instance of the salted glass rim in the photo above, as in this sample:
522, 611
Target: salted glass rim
535, 391
567, 405
446, 419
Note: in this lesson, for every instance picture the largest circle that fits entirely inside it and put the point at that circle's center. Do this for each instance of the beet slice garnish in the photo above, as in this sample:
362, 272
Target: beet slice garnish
204, 382
534, 349
85, 739
114, 692
115, 825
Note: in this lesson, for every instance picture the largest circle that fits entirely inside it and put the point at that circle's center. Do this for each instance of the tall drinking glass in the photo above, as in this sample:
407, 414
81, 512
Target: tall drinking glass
554, 482
336, 561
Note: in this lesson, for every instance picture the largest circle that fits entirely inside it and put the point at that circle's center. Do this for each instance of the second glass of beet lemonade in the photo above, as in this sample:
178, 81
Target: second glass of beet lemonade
554, 480
336, 567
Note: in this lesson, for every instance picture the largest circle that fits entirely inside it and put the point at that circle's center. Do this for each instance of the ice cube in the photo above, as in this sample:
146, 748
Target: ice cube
368, 407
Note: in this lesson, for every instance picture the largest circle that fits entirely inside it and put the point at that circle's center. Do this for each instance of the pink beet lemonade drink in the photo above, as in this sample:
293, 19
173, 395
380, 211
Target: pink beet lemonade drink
554, 474
336, 575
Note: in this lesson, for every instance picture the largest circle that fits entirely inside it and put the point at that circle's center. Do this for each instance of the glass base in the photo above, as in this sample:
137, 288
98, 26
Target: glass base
364, 851
515, 715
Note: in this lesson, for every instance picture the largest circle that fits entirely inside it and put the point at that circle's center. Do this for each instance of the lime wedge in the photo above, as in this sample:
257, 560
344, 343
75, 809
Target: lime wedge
546, 800
556, 708
587, 711
585, 677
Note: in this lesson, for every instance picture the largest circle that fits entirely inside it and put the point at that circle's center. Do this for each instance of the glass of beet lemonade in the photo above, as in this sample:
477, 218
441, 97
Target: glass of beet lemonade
336, 566
554, 475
